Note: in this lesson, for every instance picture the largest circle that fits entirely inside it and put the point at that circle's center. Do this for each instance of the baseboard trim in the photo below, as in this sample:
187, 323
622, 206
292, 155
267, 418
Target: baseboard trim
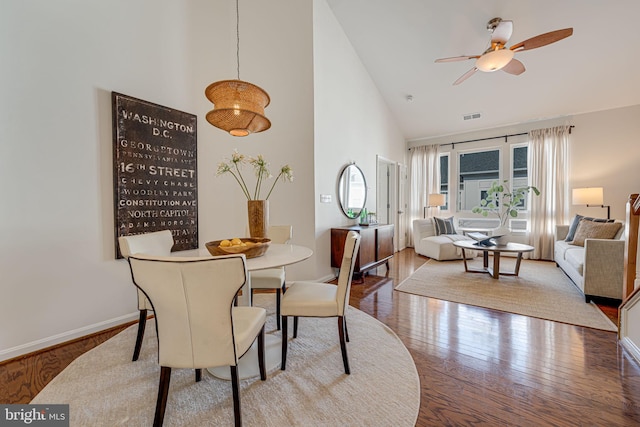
34, 346
631, 348
327, 278
628, 321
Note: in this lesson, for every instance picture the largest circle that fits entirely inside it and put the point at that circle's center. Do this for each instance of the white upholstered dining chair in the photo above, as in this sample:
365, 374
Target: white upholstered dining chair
310, 299
155, 243
273, 278
197, 323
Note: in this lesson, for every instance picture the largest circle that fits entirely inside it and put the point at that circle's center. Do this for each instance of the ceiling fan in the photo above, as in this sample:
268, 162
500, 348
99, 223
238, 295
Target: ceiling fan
498, 56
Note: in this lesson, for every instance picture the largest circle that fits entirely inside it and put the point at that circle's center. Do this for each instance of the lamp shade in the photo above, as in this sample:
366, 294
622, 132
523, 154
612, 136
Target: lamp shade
494, 60
435, 200
238, 107
588, 196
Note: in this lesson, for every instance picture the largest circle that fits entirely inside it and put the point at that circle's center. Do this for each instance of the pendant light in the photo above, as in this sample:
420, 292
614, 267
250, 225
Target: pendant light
238, 105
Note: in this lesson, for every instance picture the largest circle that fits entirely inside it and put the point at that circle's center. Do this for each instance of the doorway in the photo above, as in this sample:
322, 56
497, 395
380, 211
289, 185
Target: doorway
401, 222
387, 199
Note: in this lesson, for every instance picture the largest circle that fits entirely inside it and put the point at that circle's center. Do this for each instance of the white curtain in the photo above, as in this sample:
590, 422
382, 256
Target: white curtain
424, 173
548, 153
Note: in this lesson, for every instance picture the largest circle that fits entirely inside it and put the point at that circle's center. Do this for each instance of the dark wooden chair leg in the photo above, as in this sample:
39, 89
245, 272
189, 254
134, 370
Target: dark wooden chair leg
278, 309
263, 370
295, 326
346, 330
163, 391
343, 345
358, 278
283, 363
235, 385
142, 322
198, 375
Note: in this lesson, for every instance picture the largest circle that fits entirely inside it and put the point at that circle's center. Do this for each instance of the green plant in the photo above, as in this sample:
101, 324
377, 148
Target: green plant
503, 201
261, 168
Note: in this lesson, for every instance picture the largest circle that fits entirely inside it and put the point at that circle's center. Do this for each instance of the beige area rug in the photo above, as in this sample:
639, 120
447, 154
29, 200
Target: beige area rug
105, 388
541, 290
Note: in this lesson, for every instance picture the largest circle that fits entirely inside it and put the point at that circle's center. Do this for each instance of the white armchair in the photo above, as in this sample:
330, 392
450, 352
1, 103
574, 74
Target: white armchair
198, 325
310, 299
156, 243
427, 243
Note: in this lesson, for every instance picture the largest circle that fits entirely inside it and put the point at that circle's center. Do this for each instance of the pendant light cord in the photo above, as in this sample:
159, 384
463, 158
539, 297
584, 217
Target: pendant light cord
238, 36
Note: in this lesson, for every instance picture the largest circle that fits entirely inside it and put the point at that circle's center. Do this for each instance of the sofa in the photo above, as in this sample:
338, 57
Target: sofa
597, 267
439, 247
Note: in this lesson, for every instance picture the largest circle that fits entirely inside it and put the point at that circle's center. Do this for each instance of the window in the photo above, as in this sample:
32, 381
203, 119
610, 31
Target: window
520, 166
477, 171
519, 171
444, 180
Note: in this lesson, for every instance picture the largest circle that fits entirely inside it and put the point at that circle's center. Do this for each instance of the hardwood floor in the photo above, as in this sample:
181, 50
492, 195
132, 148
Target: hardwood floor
23, 377
486, 367
476, 366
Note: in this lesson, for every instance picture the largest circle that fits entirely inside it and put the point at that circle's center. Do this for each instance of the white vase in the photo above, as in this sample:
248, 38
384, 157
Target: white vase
503, 235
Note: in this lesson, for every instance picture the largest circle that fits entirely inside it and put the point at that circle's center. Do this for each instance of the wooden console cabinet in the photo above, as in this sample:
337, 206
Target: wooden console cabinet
376, 246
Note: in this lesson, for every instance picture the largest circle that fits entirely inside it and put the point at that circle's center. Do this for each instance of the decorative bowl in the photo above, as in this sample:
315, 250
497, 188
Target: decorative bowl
256, 247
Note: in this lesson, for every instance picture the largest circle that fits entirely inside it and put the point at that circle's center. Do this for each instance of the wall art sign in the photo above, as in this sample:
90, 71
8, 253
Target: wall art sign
154, 171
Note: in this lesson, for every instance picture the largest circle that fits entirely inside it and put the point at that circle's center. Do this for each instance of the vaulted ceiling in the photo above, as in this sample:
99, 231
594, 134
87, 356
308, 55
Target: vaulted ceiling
597, 68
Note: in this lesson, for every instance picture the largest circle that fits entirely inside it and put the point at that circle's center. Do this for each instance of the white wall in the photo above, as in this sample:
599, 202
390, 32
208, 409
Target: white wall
60, 62
603, 151
276, 53
352, 124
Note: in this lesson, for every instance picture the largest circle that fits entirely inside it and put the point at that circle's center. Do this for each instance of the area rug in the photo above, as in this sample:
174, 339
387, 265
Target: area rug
541, 290
104, 387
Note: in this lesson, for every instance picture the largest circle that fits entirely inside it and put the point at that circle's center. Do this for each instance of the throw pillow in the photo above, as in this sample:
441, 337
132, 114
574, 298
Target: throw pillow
595, 230
444, 226
576, 220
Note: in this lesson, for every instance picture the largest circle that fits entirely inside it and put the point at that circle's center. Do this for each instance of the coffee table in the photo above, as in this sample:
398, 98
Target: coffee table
494, 271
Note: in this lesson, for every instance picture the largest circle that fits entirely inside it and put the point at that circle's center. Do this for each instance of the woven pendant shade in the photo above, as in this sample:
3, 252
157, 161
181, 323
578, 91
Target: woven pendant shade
238, 107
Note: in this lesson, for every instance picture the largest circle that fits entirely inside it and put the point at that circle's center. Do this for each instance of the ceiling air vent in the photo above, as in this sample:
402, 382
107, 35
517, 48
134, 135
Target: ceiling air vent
471, 116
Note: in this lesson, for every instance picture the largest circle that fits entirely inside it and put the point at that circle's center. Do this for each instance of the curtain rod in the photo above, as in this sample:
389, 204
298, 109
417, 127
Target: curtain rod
506, 138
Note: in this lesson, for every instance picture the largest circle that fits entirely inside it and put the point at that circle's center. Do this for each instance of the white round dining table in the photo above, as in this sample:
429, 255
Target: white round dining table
278, 255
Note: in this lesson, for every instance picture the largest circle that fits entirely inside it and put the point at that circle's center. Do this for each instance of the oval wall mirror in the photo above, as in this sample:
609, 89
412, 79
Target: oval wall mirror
352, 191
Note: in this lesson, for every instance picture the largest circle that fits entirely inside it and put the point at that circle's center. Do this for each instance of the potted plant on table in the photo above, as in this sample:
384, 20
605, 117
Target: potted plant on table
503, 201
258, 209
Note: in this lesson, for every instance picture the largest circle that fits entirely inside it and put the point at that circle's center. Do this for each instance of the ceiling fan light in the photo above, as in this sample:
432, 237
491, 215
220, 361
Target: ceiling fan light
494, 60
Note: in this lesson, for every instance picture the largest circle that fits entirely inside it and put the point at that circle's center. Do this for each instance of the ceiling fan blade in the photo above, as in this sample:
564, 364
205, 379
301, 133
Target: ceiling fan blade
542, 39
502, 32
457, 58
514, 67
465, 76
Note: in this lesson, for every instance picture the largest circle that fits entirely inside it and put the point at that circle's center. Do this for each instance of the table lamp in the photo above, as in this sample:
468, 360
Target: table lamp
434, 200
591, 197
